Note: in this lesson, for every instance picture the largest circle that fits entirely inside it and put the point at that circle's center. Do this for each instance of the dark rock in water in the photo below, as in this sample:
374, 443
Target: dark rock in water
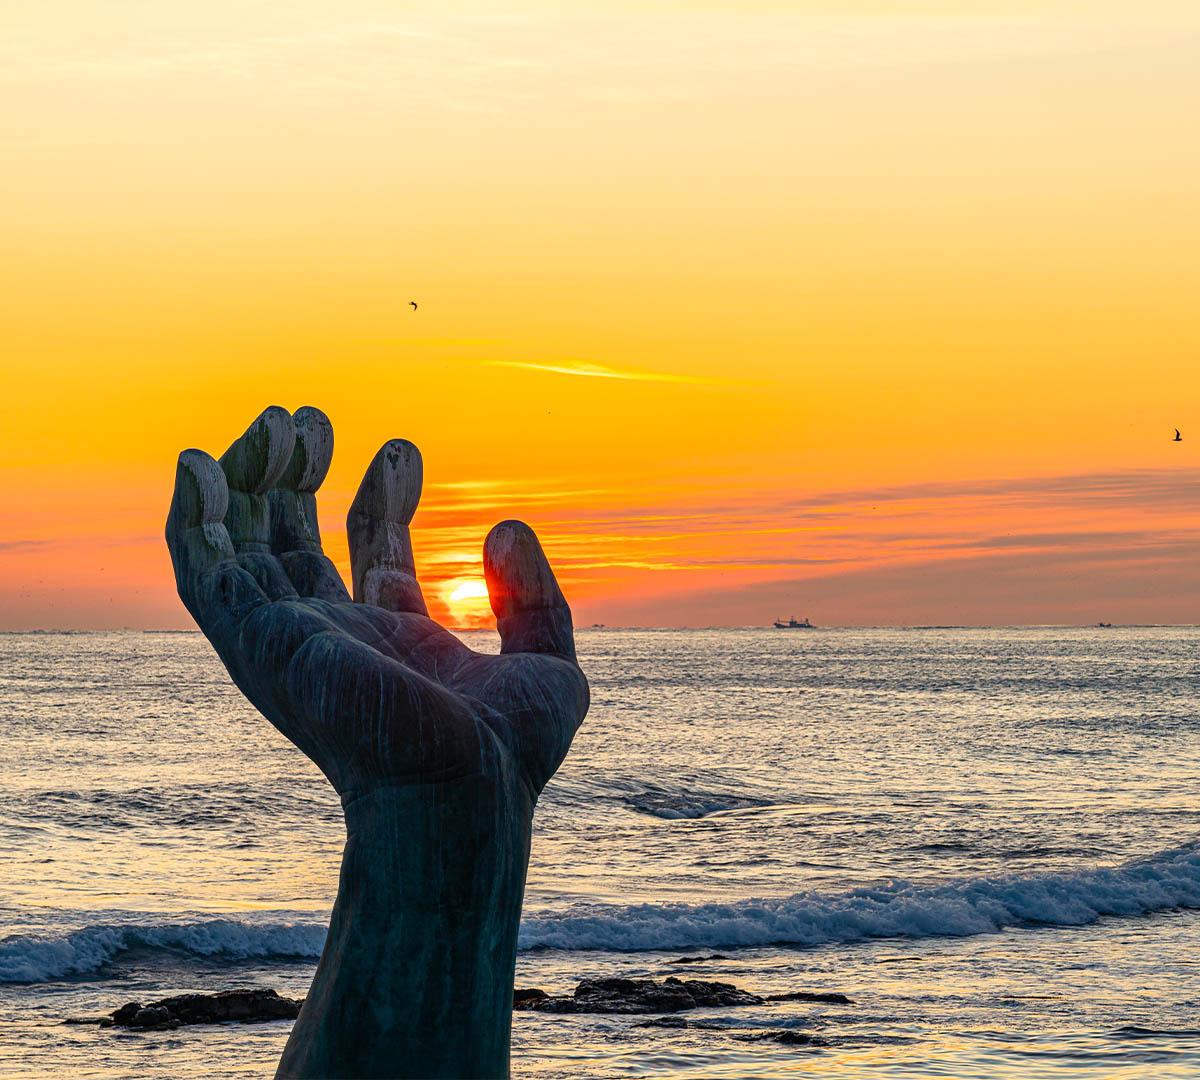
239, 1006
793, 1038
153, 1016
123, 1017
698, 959
672, 995
243, 1006
806, 995
666, 1022
609, 995
617, 995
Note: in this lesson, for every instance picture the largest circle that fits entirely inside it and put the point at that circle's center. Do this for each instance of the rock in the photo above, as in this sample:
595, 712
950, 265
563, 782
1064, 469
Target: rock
698, 959
239, 1006
666, 1022
617, 995
151, 1016
608, 995
793, 1038
125, 1014
805, 995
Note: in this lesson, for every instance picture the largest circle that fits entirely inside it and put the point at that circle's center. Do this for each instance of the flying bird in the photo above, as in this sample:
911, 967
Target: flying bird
413, 304
1178, 437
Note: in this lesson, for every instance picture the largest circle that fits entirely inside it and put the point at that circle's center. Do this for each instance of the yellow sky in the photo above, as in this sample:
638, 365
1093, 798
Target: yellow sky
742, 306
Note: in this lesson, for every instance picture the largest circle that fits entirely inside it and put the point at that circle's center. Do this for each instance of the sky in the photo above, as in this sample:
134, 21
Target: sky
874, 313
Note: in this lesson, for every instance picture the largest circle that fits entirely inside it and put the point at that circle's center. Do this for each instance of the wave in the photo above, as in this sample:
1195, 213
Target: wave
696, 795
40, 957
1161, 882
676, 805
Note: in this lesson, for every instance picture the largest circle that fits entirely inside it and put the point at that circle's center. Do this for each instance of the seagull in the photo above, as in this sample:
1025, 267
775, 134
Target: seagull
1178, 437
413, 304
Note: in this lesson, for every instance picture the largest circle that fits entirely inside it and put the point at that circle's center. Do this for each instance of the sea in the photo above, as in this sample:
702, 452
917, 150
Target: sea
988, 840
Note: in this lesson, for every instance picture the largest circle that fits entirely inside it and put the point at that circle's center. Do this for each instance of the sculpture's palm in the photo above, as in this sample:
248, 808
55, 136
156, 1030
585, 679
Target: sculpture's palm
372, 689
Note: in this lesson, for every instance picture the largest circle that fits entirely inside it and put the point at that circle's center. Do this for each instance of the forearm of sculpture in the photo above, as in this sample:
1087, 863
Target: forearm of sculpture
417, 973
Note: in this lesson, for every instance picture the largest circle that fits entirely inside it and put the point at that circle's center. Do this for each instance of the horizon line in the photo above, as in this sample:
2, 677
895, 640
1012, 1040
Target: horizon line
662, 627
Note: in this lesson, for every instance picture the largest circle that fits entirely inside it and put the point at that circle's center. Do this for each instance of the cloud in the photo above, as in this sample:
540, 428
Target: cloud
1079, 547
599, 371
1163, 489
1132, 486
1082, 517
80, 540
1003, 589
22, 545
1128, 539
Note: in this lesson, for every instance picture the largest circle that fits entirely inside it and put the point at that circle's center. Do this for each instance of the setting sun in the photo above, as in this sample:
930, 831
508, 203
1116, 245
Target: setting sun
468, 602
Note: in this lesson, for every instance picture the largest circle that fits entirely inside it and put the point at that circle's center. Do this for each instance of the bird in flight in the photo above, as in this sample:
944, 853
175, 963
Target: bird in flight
1178, 437
413, 304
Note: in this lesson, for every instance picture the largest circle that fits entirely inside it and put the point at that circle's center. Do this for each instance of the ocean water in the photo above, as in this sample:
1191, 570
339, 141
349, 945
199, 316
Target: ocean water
988, 839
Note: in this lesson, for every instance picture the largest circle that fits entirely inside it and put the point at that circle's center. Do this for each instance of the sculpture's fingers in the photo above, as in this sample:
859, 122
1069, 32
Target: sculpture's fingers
213, 587
531, 612
295, 533
252, 466
381, 559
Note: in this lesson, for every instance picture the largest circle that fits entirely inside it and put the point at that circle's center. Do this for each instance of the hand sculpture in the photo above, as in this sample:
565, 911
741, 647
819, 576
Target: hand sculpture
439, 753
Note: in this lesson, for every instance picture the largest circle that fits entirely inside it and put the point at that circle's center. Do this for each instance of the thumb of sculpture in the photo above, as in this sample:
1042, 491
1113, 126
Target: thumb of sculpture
531, 613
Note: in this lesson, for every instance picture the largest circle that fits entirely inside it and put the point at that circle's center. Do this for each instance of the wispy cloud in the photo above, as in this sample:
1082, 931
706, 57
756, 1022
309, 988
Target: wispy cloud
1015, 588
599, 371
933, 552
90, 540
22, 545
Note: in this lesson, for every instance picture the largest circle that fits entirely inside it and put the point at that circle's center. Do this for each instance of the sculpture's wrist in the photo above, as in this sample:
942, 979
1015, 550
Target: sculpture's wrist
438, 841
422, 939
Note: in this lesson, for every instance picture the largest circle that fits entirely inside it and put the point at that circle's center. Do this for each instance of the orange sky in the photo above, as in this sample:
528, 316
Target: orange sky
869, 312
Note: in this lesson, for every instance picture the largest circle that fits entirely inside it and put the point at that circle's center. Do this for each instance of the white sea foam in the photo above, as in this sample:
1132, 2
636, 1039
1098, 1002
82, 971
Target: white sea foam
44, 956
1160, 882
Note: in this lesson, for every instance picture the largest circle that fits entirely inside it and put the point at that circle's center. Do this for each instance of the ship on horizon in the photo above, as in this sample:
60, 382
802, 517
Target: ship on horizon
792, 624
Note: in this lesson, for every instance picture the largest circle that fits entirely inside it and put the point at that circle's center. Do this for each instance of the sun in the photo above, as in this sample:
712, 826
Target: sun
467, 590
467, 599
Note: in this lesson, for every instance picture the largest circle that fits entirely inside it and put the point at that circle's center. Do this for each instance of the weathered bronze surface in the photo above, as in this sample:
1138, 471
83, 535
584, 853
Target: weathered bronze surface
439, 753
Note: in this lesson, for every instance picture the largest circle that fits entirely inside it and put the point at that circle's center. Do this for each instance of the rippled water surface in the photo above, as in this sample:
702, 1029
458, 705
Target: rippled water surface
988, 839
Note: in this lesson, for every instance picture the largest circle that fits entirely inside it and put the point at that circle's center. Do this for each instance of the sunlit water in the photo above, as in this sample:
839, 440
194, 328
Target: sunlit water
988, 839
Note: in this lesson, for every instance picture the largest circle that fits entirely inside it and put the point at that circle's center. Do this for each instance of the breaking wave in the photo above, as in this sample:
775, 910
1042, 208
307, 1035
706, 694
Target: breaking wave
39, 957
1161, 882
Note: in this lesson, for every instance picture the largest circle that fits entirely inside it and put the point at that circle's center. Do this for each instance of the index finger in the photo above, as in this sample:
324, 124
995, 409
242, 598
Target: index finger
295, 532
